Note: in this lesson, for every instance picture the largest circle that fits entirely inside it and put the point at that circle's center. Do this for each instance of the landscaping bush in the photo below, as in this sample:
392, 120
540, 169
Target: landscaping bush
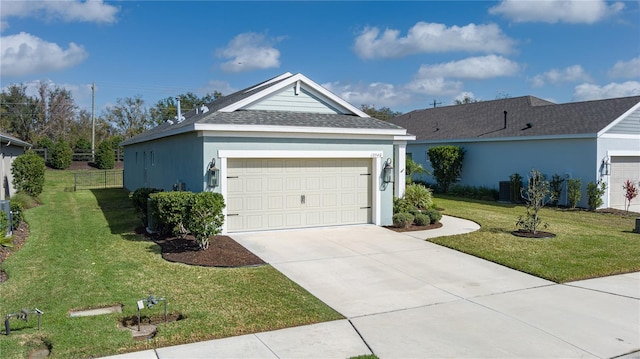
25, 200
413, 168
482, 193
418, 196
171, 210
83, 144
556, 188
28, 173
446, 162
61, 155
421, 219
105, 157
516, 188
4, 224
595, 191
401, 205
402, 220
434, 215
139, 199
204, 216
574, 191
16, 214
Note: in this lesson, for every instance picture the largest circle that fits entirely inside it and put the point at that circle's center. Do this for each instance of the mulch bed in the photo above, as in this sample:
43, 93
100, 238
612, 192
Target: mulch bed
223, 251
529, 234
414, 228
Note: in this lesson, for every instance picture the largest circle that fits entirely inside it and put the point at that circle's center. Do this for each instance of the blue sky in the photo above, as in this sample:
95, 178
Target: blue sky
402, 55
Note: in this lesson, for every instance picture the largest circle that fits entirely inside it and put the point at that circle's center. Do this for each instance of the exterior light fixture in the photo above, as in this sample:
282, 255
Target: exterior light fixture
214, 174
387, 172
606, 166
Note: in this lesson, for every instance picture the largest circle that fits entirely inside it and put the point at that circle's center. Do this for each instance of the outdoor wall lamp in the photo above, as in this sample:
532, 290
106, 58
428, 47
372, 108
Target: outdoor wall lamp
387, 172
214, 174
606, 166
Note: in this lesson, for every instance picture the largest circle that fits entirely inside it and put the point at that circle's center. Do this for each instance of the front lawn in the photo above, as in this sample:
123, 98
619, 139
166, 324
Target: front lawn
83, 253
586, 245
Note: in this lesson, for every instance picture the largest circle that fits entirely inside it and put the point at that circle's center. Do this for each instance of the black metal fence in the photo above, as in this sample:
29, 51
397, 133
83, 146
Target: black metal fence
98, 179
77, 155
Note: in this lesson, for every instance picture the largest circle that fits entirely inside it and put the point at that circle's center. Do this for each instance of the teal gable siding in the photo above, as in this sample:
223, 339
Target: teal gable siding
288, 100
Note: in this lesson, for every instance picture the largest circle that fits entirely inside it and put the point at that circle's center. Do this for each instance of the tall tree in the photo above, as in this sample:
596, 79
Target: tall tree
129, 116
167, 108
18, 112
383, 113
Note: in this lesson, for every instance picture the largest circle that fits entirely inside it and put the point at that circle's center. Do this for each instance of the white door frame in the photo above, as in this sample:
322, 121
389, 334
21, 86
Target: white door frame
376, 168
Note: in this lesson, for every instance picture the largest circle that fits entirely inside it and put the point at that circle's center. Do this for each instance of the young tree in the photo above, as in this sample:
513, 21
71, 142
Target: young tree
28, 173
574, 191
61, 155
556, 188
446, 162
105, 157
595, 191
536, 195
630, 192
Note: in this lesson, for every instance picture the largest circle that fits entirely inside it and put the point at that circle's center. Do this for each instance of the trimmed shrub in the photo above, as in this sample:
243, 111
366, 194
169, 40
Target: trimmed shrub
421, 219
402, 220
482, 193
446, 162
139, 199
83, 144
28, 173
434, 215
574, 191
556, 188
595, 191
61, 155
516, 188
171, 210
16, 214
401, 205
418, 196
105, 157
204, 217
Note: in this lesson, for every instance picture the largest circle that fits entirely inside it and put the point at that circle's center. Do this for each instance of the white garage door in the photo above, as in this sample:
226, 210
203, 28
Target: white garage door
624, 168
266, 194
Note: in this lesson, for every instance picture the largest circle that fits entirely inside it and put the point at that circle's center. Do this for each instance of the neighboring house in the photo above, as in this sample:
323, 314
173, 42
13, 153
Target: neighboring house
288, 154
11, 148
592, 140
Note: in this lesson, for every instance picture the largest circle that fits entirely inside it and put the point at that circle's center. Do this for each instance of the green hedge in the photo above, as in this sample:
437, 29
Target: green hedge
28, 173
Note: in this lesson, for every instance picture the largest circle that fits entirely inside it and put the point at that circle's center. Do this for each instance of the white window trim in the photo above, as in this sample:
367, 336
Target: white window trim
376, 167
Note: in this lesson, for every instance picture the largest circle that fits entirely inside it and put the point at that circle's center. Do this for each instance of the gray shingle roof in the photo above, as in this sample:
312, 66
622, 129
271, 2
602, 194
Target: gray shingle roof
260, 118
526, 116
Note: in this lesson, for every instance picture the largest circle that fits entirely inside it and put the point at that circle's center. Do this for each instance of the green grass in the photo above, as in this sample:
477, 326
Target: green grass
587, 244
82, 253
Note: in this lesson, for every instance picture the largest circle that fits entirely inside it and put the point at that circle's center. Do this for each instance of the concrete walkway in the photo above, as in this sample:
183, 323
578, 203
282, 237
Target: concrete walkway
408, 298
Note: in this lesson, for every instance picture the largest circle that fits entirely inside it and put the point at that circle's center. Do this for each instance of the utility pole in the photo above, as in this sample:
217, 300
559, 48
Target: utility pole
93, 122
436, 103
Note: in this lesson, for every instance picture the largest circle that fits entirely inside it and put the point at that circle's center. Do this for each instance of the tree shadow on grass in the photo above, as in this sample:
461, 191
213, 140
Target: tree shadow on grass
118, 211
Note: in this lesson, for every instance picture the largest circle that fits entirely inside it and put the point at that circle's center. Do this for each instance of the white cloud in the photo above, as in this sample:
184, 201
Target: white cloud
221, 86
434, 86
464, 95
476, 68
249, 51
376, 94
573, 73
87, 11
24, 54
626, 69
429, 38
587, 92
554, 11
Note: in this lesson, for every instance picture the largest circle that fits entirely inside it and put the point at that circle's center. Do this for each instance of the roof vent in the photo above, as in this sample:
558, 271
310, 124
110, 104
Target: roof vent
505, 119
204, 109
179, 117
170, 122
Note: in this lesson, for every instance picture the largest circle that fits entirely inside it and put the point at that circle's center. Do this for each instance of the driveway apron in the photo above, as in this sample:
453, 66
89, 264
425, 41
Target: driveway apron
411, 298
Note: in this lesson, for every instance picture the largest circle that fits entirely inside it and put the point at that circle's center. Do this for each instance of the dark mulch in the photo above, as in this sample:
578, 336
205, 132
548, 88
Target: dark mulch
223, 251
530, 234
414, 227
20, 235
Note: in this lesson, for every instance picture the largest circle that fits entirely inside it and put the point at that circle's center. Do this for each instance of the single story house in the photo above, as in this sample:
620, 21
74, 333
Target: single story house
285, 153
590, 141
11, 148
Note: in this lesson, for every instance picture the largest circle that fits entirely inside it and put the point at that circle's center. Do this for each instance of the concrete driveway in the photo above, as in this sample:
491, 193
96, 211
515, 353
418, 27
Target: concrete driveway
408, 298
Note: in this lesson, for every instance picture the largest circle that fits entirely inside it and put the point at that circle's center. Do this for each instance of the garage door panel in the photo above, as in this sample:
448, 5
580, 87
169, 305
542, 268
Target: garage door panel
295, 193
623, 168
